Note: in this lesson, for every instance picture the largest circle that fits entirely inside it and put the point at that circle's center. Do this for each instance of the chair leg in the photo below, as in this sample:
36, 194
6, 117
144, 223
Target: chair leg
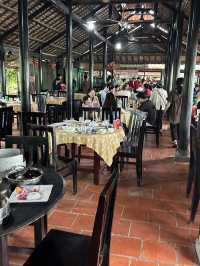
190, 176
79, 154
139, 171
74, 176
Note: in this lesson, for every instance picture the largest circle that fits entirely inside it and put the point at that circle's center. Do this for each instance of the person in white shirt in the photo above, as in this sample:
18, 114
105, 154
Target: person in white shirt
103, 94
159, 99
125, 91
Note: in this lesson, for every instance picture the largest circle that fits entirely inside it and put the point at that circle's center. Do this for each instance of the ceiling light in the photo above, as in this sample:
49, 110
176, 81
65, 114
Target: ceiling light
153, 25
128, 26
91, 25
118, 46
151, 12
142, 6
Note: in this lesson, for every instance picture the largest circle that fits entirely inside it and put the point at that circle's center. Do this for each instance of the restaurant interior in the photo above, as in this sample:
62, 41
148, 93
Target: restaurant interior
99, 132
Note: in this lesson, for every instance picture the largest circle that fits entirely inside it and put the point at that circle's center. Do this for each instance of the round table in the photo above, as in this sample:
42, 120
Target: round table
23, 214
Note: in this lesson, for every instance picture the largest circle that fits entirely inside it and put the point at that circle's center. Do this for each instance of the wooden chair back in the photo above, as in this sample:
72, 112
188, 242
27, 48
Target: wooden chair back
136, 127
11, 97
111, 114
91, 113
62, 94
37, 118
36, 149
57, 113
123, 100
100, 244
6, 120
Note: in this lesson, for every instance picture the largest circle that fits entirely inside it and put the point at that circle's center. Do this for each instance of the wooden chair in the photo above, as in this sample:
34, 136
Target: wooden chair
41, 100
133, 146
36, 149
57, 113
62, 94
6, 120
69, 163
123, 101
63, 248
155, 129
90, 113
37, 118
53, 93
111, 114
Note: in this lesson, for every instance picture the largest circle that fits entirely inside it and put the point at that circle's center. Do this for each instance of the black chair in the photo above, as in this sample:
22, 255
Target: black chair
111, 114
132, 147
62, 248
56, 113
41, 100
6, 120
91, 113
155, 129
69, 163
123, 100
62, 94
53, 93
36, 149
37, 118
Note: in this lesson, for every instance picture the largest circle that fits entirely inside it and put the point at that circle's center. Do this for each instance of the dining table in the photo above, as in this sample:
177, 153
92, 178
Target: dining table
24, 214
104, 143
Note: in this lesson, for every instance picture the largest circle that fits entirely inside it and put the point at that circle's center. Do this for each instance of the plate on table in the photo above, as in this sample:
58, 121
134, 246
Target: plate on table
25, 194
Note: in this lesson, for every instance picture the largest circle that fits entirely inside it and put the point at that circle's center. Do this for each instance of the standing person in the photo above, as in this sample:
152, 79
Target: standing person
159, 99
103, 94
175, 111
86, 84
110, 101
56, 86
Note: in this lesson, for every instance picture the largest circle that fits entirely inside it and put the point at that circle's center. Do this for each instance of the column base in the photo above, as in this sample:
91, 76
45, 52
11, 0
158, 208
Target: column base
182, 156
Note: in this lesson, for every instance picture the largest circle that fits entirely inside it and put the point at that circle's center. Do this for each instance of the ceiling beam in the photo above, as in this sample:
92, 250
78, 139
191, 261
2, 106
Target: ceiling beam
30, 17
63, 8
90, 2
62, 33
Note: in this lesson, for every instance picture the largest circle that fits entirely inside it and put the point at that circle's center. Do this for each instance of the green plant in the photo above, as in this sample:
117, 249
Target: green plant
11, 81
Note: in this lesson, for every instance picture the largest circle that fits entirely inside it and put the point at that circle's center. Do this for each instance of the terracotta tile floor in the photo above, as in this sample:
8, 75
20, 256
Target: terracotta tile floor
150, 224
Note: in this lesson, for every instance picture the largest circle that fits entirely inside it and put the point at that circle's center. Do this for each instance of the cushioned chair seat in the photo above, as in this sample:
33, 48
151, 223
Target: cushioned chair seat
60, 248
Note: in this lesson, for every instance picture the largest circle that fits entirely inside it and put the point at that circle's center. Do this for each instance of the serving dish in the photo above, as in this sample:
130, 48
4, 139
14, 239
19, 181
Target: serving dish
21, 175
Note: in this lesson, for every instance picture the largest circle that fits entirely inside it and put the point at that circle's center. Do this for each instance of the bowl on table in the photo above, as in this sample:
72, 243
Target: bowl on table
21, 175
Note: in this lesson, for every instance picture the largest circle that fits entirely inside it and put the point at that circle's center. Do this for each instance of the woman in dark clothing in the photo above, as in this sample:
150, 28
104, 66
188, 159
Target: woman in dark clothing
145, 105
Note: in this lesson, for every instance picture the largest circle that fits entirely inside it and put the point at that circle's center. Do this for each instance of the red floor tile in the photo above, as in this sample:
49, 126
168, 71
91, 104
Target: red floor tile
162, 252
118, 261
145, 231
60, 218
126, 246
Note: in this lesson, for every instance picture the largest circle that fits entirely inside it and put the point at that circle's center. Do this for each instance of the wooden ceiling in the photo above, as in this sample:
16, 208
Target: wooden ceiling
47, 27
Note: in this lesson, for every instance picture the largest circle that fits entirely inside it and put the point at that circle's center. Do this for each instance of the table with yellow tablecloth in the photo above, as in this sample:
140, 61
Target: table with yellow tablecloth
56, 100
105, 145
17, 106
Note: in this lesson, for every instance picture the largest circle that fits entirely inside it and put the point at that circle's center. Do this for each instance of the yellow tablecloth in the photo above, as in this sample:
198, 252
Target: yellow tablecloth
105, 145
79, 96
17, 106
56, 100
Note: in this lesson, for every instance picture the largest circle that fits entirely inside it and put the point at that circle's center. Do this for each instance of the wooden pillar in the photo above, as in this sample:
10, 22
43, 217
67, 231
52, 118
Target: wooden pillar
177, 45
91, 63
24, 57
2, 71
69, 65
40, 74
192, 44
105, 57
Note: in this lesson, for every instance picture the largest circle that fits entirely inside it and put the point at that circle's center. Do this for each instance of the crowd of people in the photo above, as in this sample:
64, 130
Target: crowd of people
149, 95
